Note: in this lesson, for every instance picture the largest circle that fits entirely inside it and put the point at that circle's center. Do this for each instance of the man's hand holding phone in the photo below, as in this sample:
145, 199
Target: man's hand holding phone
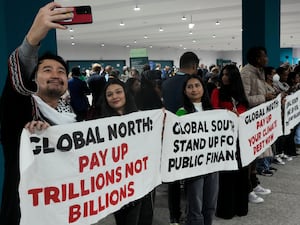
45, 20
80, 15
63, 14
54, 16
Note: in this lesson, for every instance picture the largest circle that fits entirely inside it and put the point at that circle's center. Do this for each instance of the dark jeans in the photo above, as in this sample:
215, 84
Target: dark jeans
147, 209
263, 163
233, 193
285, 144
253, 179
174, 195
129, 214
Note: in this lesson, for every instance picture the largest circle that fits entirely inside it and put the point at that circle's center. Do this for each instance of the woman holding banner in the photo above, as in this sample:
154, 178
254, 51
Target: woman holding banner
233, 185
118, 101
201, 191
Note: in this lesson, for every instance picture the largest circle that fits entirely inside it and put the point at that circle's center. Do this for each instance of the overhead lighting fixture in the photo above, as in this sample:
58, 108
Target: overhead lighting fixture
218, 22
145, 36
136, 8
191, 24
134, 41
183, 18
122, 24
194, 41
190, 32
127, 46
161, 30
72, 37
71, 29
180, 45
214, 36
150, 46
73, 43
102, 45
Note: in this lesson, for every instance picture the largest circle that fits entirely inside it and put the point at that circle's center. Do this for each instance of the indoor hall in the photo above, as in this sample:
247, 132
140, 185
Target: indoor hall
166, 29
109, 49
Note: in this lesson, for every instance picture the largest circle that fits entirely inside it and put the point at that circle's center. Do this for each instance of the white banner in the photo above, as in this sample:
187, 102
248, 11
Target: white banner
81, 172
198, 143
259, 127
291, 112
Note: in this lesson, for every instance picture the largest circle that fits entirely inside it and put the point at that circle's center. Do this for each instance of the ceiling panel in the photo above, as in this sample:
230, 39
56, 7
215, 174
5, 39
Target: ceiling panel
167, 14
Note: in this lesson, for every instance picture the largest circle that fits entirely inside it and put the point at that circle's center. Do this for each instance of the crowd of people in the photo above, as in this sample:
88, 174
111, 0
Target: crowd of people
40, 88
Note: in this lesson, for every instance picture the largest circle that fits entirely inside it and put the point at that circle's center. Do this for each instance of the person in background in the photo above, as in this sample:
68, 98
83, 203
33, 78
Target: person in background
96, 69
32, 91
201, 191
213, 81
107, 71
253, 78
203, 68
147, 98
293, 81
264, 161
233, 185
78, 91
208, 74
158, 66
166, 72
114, 74
133, 86
96, 84
149, 95
265, 164
134, 73
281, 85
284, 144
172, 100
125, 73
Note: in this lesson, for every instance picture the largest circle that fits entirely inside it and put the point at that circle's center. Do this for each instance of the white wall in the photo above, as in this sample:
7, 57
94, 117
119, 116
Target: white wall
92, 52
296, 54
234, 56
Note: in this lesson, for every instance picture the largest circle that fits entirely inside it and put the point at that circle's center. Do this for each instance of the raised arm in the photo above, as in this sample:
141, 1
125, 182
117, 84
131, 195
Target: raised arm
24, 59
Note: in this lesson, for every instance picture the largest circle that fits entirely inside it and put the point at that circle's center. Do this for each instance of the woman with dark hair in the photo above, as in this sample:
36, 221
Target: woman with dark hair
231, 92
133, 85
188, 103
118, 101
293, 81
149, 96
233, 185
201, 191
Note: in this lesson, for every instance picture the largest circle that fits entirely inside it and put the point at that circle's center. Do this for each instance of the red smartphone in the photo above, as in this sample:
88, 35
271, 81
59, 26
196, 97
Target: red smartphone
82, 15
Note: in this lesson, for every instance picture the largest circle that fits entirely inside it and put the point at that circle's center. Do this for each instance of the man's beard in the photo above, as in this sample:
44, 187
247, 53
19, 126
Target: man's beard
54, 93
